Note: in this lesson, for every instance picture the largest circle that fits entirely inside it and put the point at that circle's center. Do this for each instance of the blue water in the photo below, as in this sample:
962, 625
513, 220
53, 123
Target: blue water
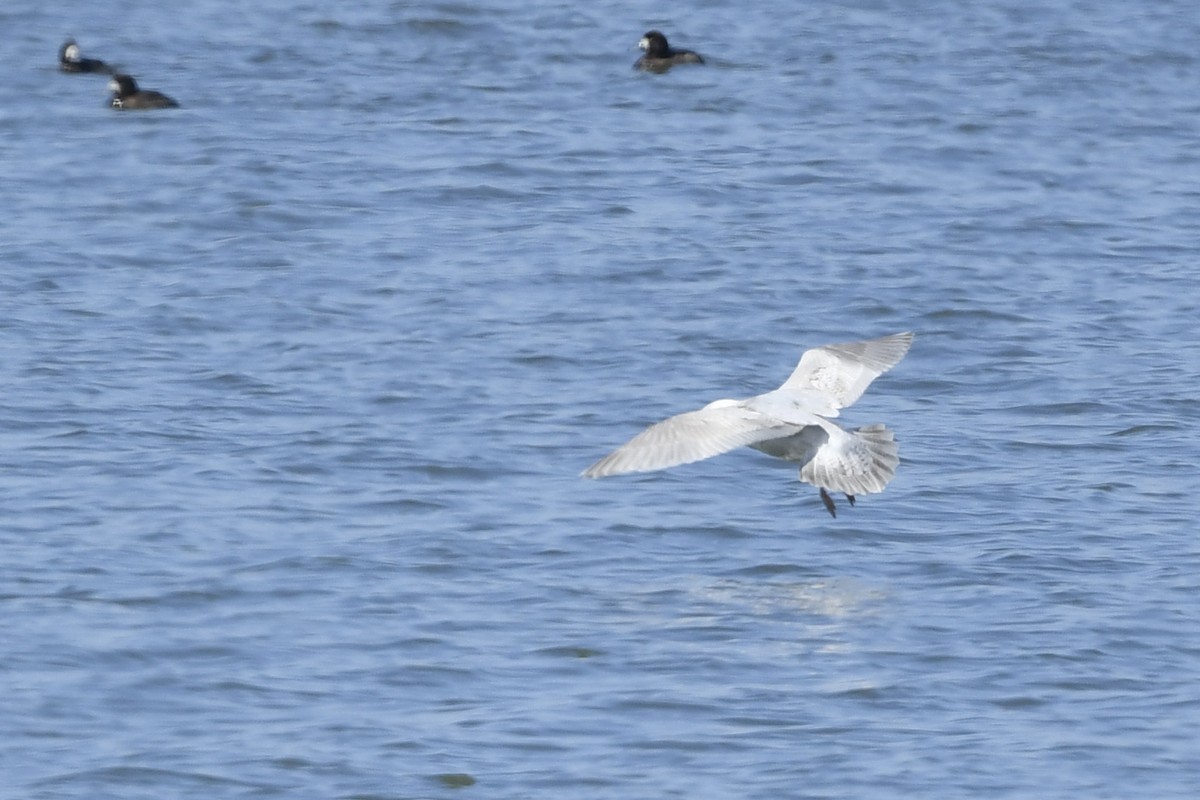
298, 381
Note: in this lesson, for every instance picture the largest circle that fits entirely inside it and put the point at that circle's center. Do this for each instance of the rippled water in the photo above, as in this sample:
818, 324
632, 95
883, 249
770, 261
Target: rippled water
300, 377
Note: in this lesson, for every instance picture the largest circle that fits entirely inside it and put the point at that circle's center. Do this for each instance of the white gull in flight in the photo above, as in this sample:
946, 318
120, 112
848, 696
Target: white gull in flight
791, 422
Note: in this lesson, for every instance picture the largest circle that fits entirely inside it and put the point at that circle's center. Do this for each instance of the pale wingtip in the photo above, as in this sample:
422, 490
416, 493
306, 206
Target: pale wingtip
593, 472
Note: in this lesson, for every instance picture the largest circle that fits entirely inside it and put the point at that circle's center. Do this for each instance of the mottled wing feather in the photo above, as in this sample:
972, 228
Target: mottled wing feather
690, 437
844, 371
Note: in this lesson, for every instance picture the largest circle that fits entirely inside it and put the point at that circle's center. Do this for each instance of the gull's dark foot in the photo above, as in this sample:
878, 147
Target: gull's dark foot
829, 506
850, 497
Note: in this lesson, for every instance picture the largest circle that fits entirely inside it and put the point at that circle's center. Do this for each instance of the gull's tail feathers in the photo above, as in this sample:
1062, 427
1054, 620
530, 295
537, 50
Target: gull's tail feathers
861, 461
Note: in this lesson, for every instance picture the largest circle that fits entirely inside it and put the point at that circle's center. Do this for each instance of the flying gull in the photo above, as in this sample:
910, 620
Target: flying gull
792, 422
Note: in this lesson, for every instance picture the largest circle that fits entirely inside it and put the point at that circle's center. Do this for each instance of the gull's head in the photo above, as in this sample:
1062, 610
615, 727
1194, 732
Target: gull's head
721, 404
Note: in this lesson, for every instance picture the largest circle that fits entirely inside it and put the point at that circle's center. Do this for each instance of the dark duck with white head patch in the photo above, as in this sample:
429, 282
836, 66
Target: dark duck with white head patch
127, 95
660, 56
70, 60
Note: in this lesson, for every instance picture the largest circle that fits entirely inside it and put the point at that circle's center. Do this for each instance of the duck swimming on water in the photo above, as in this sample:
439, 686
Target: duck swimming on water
70, 60
127, 95
660, 56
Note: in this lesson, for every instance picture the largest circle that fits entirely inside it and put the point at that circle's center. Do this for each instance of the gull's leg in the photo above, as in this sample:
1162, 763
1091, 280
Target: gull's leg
850, 497
828, 501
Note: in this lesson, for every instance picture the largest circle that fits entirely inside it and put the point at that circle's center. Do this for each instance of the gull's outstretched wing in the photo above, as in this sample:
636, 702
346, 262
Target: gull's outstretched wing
696, 435
844, 371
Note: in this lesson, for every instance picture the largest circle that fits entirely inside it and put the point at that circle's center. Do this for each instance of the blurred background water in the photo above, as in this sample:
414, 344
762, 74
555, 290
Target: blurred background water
298, 381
